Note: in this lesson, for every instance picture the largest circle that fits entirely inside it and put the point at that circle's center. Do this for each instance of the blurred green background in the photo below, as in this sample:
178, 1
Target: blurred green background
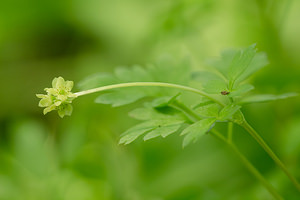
78, 158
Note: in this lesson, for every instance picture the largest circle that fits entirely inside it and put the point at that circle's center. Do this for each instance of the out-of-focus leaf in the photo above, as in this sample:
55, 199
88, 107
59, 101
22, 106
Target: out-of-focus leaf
265, 98
228, 111
163, 71
240, 90
150, 113
222, 64
29, 147
120, 98
145, 113
97, 80
259, 61
133, 74
215, 86
238, 65
196, 130
204, 76
240, 62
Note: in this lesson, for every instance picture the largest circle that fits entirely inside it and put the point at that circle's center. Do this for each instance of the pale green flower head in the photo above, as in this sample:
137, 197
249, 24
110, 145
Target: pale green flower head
59, 97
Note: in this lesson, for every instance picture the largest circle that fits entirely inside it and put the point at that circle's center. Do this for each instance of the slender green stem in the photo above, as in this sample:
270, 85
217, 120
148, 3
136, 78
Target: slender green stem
249, 166
156, 84
246, 162
263, 144
229, 132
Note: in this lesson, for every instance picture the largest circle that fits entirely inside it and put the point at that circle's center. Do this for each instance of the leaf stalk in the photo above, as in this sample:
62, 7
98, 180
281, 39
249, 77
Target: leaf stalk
264, 145
151, 84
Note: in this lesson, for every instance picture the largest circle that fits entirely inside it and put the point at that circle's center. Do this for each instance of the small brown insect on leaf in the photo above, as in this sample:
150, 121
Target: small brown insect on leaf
225, 93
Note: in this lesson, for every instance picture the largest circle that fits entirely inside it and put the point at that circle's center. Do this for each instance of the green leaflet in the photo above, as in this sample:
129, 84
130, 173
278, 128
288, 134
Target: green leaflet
164, 131
259, 61
134, 132
120, 98
195, 131
164, 101
202, 103
236, 66
209, 110
265, 98
215, 86
165, 124
228, 111
240, 62
222, 64
240, 90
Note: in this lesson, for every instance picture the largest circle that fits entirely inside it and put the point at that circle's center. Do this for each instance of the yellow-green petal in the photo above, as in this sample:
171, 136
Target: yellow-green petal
54, 82
57, 103
69, 85
45, 102
51, 91
60, 83
41, 96
62, 97
49, 109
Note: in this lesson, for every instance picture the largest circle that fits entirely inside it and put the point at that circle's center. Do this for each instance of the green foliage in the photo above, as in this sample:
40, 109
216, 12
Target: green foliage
234, 67
166, 113
165, 70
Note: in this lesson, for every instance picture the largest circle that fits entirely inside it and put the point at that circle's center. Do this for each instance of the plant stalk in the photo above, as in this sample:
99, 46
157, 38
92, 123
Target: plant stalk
247, 163
249, 166
264, 145
156, 84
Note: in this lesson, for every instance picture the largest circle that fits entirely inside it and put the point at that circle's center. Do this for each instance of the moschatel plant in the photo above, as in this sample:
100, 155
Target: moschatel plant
222, 94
